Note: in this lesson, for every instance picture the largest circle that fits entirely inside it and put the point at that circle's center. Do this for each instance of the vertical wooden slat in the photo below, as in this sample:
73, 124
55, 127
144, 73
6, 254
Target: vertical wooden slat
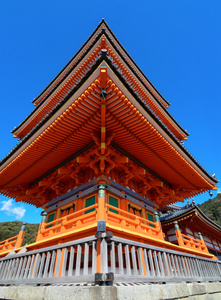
78, 261
120, 259
166, 264
127, 256
64, 262
153, 273
4, 275
174, 269
1, 266
48, 257
104, 268
177, 266
19, 267
156, 263
7, 262
15, 268
216, 266
36, 265
199, 266
184, 266
27, 267
180, 266
4, 264
58, 262
112, 257
190, 263
134, 260
71, 261
210, 269
168, 256
202, 271
23, 267
30, 272
196, 267
9, 270
206, 268
140, 261
86, 258
42, 264
215, 269
219, 268
94, 257
146, 262
12, 268
161, 268
52, 264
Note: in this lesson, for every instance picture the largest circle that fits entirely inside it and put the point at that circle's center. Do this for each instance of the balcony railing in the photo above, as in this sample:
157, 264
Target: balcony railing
103, 258
189, 242
113, 215
13, 242
192, 243
8, 244
133, 222
75, 221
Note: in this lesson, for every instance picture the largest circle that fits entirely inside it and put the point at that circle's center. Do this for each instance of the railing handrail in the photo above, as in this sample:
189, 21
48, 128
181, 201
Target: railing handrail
97, 255
3, 243
138, 244
51, 248
70, 215
191, 239
130, 214
133, 222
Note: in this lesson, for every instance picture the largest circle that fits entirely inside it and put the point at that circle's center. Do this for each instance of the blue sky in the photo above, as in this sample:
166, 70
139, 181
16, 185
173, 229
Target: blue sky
177, 44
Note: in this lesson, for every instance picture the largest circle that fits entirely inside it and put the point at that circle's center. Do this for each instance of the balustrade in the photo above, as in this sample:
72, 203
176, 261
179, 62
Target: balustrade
105, 258
13, 242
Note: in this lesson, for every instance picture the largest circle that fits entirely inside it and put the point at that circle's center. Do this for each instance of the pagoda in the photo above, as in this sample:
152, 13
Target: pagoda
100, 153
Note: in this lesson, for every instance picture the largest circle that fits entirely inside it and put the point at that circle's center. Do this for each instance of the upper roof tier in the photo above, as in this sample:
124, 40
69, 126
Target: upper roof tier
81, 63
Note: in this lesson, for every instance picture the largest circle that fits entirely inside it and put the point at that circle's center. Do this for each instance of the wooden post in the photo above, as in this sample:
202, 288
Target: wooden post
101, 203
20, 236
203, 243
157, 221
42, 225
101, 217
179, 235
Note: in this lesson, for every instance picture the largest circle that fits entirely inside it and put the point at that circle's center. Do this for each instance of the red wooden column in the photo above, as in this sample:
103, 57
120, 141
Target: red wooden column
20, 236
41, 226
179, 235
101, 219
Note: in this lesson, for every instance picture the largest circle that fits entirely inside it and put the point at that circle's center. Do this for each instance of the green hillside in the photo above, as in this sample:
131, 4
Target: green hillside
10, 229
212, 208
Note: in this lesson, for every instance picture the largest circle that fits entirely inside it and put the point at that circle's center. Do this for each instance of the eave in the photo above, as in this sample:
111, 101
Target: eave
60, 115
189, 213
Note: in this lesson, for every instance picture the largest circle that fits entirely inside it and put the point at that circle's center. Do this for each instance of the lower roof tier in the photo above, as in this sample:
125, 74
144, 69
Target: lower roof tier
90, 166
89, 135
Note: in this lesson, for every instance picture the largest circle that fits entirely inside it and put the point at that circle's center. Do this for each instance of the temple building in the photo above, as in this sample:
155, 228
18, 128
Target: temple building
192, 220
101, 154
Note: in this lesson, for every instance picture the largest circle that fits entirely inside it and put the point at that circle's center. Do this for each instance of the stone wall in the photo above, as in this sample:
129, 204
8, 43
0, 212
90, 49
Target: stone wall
189, 291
